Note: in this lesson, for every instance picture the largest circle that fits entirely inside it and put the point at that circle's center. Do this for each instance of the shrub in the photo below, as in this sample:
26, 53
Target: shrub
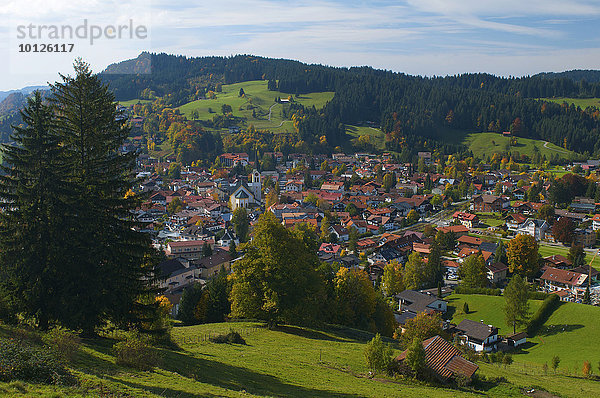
550, 304
378, 354
63, 342
135, 352
232, 337
19, 361
477, 290
538, 295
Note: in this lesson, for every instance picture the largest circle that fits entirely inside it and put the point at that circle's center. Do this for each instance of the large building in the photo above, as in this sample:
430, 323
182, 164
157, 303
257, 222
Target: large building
247, 194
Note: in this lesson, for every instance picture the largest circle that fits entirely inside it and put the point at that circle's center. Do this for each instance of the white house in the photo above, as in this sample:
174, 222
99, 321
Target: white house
534, 227
478, 335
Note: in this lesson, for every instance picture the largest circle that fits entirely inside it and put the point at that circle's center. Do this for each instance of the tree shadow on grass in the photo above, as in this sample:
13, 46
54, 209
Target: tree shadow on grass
550, 330
237, 378
308, 333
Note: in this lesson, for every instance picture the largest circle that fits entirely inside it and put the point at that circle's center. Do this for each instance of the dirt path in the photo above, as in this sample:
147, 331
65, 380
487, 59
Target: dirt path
271, 107
552, 149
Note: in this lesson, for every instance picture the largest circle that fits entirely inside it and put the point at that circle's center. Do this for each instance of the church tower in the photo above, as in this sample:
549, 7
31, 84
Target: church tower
256, 185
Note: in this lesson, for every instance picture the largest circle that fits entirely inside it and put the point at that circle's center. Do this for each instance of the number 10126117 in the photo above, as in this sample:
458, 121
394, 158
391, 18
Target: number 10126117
46, 48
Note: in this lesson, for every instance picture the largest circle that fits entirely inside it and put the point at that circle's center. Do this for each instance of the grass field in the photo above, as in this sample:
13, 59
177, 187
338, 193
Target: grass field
580, 102
376, 136
287, 362
484, 144
572, 332
134, 101
257, 98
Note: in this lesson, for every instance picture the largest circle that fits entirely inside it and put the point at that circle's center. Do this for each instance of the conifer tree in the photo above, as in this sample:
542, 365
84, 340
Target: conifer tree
32, 191
108, 263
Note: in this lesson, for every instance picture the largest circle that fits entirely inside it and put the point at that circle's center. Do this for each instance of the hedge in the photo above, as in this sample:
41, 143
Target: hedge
549, 305
477, 290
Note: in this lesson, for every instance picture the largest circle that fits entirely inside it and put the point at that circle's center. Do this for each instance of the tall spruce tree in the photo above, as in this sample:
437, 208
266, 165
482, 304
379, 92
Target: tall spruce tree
32, 191
108, 263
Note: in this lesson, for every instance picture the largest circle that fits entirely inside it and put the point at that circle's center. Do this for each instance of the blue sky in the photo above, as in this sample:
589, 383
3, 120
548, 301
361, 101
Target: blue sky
425, 37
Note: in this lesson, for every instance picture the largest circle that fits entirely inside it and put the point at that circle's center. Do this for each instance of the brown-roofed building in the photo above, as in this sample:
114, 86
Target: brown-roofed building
457, 230
490, 203
559, 279
444, 360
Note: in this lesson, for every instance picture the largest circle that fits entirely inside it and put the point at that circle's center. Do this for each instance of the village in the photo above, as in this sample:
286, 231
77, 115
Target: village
368, 211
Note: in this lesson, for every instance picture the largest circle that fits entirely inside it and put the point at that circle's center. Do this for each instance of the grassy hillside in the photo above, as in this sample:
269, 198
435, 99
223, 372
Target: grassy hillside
376, 136
572, 332
257, 98
580, 102
288, 362
134, 101
484, 144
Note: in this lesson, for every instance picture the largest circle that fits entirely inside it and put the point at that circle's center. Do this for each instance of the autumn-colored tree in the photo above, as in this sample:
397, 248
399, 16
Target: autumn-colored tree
587, 369
522, 254
412, 217
354, 298
388, 181
415, 272
563, 230
421, 327
272, 198
277, 279
392, 278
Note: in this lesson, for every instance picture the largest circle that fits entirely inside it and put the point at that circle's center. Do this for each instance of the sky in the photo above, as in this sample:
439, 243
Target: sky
419, 37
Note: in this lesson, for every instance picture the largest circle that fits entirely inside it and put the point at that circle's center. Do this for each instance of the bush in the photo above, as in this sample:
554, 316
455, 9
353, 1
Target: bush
550, 304
232, 337
378, 354
537, 295
136, 352
19, 361
63, 342
477, 290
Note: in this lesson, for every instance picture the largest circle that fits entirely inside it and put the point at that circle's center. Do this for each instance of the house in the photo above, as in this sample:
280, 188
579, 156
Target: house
515, 339
514, 221
457, 230
211, 265
471, 241
444, 360
534, 227
341, 233
177, 273
190, 249
478, 335
490, 203
330, 248
558, 261
584, 236
556, 279
416, 302
583, 205
496, 272
596, 222
467, 219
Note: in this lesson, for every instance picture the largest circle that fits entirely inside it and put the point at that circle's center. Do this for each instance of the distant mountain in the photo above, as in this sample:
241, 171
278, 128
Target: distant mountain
13, 102
24, 90
590, 76
139, 65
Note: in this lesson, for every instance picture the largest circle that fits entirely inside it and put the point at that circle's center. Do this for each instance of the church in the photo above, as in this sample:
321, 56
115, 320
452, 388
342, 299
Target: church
247, 194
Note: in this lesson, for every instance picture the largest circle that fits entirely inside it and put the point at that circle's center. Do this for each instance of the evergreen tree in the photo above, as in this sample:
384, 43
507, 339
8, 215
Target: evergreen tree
32, 191
108, 265
241, 223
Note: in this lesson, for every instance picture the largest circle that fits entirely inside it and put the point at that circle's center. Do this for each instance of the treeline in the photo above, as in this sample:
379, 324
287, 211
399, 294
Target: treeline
414, 112
590, 76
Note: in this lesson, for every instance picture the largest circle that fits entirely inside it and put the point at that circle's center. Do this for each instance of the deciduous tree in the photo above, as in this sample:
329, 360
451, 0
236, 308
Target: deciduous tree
522, 254
516, 304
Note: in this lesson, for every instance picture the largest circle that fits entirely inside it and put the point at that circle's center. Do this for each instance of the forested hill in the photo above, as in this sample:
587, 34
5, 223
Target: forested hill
414, 112
590, 76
